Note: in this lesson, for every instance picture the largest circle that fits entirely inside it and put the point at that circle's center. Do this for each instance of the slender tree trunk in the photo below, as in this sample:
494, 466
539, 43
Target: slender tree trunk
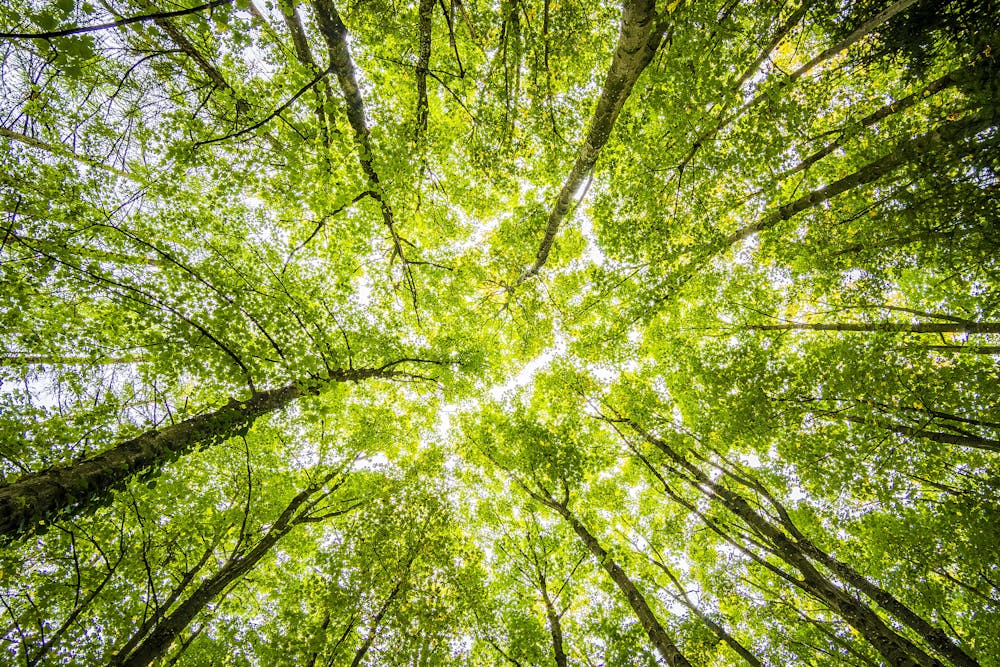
900, 154
366, 645
976, 442
900, 327
555, 624
425, 14
335, 33
67, 153
657, 634
734, 89
300, 41
719, 631
175, 594
948, 80
165, 632
39, 495
842, 45
896, 649
934, 637
638, 40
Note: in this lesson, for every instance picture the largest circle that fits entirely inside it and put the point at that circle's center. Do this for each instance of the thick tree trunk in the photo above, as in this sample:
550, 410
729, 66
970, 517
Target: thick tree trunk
37, 496
638, 40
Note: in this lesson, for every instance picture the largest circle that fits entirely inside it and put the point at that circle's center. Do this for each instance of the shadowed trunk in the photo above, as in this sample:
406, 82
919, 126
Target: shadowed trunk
35, 496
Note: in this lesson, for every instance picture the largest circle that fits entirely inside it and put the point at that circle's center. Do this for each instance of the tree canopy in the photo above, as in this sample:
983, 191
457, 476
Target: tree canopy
523, 332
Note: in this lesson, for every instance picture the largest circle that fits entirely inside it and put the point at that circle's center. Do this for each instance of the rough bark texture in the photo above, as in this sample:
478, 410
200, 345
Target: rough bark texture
35, 496
638, 40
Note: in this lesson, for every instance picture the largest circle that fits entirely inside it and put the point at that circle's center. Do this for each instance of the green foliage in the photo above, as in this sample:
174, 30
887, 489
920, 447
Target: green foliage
758, 365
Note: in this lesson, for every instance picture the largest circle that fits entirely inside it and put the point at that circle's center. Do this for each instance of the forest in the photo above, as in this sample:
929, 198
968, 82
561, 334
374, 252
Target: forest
500, 332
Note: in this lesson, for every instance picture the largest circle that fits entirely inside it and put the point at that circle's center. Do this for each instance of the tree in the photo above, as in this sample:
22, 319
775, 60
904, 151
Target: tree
510, 333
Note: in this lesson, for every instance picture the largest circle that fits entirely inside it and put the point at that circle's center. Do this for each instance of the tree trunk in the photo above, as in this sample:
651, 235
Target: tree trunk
45, 494
842, 45
719, 631
335, 34
976, 442
934, 637
638, 40
366, 645
555, 625
900, 327
657, 635
900, 154
160, 639
425, 14
896, 649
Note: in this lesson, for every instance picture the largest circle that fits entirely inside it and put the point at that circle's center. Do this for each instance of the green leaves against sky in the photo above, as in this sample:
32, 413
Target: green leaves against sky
529, 332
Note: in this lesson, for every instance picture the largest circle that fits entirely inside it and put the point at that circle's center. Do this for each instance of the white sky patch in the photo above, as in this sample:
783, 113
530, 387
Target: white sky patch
524, 377
376, 461
593, 251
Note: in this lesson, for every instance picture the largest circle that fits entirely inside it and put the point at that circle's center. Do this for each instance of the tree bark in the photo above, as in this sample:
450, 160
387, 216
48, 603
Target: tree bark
555, 625
41, 495
335, 33
976, 442
896, 327
425, 14
934, 637
657, 634
893, 647
366, 645
638, 40
900, 154
863, 30
159, 640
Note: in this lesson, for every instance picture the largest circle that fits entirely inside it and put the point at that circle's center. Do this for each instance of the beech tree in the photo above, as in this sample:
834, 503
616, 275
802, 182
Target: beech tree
512, 333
